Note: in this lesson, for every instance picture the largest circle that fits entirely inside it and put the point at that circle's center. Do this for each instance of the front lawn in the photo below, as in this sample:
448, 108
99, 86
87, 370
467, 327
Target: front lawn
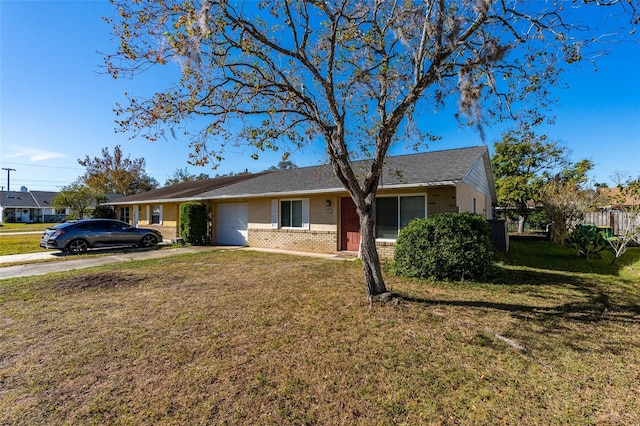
20, 238
240, 337
24, 227
20, 244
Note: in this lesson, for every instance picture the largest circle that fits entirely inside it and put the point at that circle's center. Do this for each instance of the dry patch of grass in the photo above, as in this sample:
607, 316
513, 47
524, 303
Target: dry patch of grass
254, 338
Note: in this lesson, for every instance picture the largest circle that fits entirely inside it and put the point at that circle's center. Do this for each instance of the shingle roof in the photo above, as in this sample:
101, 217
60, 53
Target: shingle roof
614, 197
424, 169
184, 190
29, 200
44, 198
33, 199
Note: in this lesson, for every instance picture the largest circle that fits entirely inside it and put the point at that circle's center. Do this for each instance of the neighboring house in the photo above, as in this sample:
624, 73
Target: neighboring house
29, 206
611, 198
617, 211
307, 209
26, 206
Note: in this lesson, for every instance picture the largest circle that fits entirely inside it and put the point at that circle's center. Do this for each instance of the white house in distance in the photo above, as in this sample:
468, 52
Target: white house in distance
26, 206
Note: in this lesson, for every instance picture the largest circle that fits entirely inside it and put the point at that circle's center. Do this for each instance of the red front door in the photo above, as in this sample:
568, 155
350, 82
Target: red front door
349, 225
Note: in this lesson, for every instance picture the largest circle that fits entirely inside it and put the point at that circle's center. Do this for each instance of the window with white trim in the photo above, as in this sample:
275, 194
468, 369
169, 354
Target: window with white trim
290, 213
394, 213
156, 214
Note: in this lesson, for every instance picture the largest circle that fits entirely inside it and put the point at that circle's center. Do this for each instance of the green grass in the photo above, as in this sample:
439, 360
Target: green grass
24, 227
243, 337
20, 244
534, 262
543, 255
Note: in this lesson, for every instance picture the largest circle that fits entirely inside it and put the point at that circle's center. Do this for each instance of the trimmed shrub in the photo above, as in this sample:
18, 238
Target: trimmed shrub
449, 246
193, 223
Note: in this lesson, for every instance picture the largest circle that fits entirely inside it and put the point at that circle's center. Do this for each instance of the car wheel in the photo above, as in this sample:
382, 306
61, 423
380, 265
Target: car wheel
148, 241
77, 247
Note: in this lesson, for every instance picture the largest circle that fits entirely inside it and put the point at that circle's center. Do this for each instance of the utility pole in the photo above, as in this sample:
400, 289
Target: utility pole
8, 177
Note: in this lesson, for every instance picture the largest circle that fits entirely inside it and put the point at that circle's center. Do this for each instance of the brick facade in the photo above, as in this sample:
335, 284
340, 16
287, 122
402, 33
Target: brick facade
294, 239
385, 249
307, 241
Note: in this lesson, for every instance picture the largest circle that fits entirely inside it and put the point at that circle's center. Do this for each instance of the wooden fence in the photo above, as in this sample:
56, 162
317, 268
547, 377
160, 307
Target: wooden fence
618, 220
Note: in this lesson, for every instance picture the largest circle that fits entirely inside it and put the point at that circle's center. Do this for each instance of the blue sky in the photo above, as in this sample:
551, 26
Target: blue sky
56, 105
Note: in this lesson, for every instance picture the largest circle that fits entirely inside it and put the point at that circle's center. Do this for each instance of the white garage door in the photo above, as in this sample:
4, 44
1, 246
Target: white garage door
232, 224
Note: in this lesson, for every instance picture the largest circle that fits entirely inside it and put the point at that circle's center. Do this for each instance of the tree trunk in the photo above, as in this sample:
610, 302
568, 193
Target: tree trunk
369, 253
521, 221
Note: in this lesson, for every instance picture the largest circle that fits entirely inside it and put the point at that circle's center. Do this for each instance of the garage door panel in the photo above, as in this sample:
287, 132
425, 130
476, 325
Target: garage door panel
232, 224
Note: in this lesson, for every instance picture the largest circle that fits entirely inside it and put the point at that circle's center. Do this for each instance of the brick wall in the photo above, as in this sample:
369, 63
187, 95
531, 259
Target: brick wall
294, 239
385, 249
307, 241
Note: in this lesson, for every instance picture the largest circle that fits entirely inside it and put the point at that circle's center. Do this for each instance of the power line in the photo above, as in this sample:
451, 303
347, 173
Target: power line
42, 166
36, 181
76, 168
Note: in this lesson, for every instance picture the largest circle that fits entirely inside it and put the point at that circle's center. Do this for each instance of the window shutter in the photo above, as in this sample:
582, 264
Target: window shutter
305, 213
274, 214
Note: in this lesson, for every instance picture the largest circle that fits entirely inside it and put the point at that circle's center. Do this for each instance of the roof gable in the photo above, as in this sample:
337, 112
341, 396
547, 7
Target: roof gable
44, 198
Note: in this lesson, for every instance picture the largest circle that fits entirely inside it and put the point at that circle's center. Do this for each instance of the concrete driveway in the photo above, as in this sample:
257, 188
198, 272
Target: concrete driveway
59, 262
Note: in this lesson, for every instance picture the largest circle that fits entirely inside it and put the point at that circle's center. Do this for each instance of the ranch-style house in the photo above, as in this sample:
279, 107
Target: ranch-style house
307, 209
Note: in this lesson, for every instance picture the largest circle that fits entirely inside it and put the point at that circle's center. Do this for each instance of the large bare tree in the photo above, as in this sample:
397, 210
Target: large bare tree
278, 74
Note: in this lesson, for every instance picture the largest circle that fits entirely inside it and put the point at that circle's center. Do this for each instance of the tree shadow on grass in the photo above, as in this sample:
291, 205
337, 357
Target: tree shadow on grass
595, 303
620, 293
512, 276
561, 324
597, 307
573, 293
